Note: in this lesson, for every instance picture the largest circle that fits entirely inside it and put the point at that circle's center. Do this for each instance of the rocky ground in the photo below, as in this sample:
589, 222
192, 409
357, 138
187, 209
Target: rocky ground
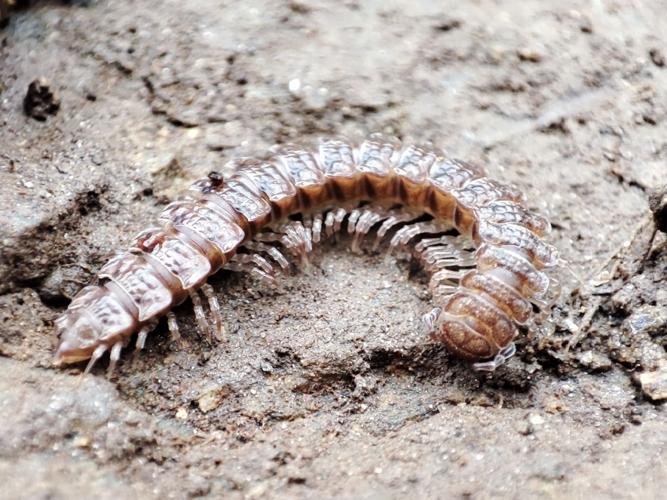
325, 386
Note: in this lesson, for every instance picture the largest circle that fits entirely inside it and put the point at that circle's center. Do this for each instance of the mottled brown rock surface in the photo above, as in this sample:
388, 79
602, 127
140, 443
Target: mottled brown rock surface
325, 386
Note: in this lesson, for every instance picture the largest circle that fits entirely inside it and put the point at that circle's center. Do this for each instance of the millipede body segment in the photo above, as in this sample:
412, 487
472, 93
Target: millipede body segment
483, 247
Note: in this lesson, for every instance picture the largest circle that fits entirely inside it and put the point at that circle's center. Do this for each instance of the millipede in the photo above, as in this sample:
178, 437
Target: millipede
483, 249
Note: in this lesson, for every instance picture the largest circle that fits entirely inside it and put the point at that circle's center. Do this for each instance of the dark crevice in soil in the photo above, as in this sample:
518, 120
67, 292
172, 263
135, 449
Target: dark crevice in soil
32, 257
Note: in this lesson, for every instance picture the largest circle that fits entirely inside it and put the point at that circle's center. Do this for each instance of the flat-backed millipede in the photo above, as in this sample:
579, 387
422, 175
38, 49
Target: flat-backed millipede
481, 245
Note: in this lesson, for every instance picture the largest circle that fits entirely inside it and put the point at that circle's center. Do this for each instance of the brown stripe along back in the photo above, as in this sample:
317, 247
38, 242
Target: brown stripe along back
482, 246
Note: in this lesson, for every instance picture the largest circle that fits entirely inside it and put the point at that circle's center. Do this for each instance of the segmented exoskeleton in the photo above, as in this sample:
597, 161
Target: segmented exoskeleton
483, 247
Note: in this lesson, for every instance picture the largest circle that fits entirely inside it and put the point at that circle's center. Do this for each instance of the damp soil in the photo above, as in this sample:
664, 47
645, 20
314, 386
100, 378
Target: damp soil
325, 386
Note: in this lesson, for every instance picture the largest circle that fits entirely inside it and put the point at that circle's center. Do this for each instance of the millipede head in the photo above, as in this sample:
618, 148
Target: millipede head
94, 318
78, 337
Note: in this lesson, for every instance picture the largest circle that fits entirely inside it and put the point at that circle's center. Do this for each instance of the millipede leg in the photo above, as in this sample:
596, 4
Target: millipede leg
406, 233
254, 264
262, 276
307, 221
394, 219
141, 337
97, 354
329, 224
445, 274
509, 351
262, 263
428, 320
367, 219
214, 306
172, 325
270, 250
442, 291
352, 220
447, 241
114, 357
333, 221
339, 215
141, 340
352, 228
544, 304
500, 359
317, 227
439, 254
298, 240
446, 260
425, 243
307, 237
278, 256
199, 313
253, 258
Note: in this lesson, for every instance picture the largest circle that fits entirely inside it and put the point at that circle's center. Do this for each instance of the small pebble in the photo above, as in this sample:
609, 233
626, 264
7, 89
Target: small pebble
530, 55
447, 24
654, 384
211, 397
535, 419
40, 100
585, 25
81, 442
594, 361
294, 86
656, 57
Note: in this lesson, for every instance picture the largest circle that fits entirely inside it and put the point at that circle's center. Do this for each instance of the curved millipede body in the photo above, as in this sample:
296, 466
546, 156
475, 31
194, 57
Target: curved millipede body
482, 246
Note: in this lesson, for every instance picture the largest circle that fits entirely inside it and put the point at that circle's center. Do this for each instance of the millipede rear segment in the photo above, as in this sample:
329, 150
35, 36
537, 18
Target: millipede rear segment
482, 247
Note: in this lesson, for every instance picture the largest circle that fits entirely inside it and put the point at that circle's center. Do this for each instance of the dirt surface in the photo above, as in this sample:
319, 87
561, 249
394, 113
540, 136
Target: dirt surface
325, 386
